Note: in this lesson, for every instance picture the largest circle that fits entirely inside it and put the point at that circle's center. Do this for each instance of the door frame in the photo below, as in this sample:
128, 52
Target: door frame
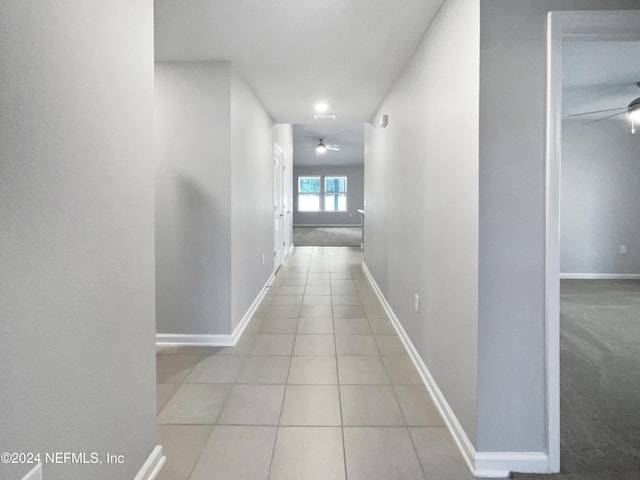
287, 197
587, 25
278, 206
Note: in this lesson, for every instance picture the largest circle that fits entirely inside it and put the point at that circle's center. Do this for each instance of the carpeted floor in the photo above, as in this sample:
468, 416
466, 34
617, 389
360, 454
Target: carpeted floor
327, 236
599, 381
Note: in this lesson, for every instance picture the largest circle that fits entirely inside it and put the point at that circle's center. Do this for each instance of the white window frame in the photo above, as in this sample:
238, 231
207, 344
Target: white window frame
298, 193
322, 193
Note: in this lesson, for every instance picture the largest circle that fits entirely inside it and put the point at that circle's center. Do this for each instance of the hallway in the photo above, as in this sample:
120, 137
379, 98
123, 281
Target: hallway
318, 387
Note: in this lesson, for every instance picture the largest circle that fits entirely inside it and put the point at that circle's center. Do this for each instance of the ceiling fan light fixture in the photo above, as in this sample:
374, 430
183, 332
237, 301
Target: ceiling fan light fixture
321, 149
634, 114
634, 110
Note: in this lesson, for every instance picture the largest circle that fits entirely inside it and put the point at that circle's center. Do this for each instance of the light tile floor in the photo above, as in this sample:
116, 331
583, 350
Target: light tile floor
318, 387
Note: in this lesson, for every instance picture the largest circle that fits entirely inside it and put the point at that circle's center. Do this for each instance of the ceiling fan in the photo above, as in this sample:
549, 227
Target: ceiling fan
322, 148
632, 110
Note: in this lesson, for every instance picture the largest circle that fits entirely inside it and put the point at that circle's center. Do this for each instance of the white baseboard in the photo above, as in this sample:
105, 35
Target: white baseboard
193, 340
34, 474
481, 464
501, 464
600, 276
458, 433
354, 225
148, 471
152, 465
246, 318
179, 339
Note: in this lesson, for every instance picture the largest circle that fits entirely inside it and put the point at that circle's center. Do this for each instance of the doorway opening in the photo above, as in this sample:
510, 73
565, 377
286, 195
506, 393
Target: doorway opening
589, 358
328, 185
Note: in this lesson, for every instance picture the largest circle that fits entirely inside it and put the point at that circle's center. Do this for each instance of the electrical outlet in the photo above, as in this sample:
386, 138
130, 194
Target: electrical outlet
416, 302
623, 249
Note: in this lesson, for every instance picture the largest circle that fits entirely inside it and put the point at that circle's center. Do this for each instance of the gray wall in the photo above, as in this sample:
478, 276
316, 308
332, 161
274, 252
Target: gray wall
77, 356
355, 196
252, 221
193, 198
214, 195
511, 389
421, 172
600, 198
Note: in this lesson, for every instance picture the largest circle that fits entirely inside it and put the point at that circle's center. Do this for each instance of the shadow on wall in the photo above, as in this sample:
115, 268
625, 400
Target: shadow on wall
192, 262
193, 212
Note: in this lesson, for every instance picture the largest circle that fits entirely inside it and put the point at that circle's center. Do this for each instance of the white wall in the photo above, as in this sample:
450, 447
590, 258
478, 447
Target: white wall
511, 363
355, 196
600, 198
193, 198
252, 197
421, 187
77, 356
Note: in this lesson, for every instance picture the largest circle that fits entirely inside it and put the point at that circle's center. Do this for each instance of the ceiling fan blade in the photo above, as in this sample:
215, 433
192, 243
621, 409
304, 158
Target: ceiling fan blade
605, 118
598, 111
331, 147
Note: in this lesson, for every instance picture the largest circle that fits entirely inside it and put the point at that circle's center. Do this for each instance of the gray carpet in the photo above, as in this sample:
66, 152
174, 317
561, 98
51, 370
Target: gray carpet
599, 381
327, 236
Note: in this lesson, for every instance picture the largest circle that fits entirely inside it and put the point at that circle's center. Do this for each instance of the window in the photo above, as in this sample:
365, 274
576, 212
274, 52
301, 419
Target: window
309, 194
335, 194
333, 191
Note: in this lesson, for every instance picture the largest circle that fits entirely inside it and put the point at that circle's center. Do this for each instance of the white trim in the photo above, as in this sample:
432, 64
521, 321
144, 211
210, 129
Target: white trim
584, 25
152, 465
501, 464
193, 340
327, 225
246, 318
552, 242
179, 339
35, 473
600, 276
459, 435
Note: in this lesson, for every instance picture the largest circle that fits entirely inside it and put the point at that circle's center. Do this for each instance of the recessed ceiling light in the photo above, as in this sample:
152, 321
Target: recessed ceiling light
321, 107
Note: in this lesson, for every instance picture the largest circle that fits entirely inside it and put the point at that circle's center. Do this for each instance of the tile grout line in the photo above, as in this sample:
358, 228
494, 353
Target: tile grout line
275, 439
195, 464
335, 346
200, 358
406, 426
233, 384
294, 426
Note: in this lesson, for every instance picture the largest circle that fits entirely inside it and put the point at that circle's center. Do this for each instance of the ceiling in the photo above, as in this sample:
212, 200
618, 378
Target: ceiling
349, 137
599, 75
346, 53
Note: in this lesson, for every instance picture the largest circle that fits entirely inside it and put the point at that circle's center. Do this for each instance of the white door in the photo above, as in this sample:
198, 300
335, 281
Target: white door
278, 208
